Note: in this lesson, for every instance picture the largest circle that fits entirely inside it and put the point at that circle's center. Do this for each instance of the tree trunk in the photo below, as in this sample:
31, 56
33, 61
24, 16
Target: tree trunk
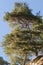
25, 59
36, 53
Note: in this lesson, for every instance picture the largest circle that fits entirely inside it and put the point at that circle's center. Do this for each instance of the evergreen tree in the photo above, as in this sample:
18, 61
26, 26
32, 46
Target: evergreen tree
27, 37
3, 62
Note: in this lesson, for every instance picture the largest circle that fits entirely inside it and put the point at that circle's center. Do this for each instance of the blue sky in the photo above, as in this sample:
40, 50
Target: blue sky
7, 5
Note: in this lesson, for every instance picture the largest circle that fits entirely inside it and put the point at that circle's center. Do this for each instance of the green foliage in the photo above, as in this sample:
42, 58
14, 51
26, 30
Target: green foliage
27, 37
20, 42
23, 40
3, 62
23, 13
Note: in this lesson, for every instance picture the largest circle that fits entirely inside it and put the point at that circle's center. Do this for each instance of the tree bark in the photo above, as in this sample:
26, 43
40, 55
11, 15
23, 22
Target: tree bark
36, 53
25, 59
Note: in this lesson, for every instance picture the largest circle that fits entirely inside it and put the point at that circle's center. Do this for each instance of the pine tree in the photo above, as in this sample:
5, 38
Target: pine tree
3, 62
27, 37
